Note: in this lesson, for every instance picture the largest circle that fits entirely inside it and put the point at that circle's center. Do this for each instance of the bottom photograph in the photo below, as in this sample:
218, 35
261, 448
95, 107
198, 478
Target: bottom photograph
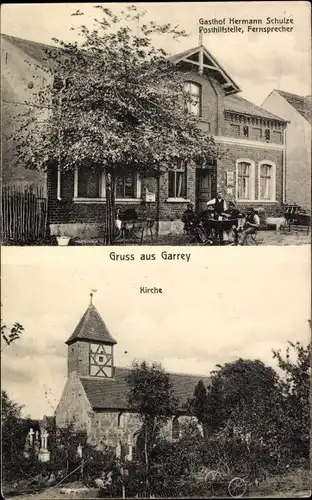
202, 391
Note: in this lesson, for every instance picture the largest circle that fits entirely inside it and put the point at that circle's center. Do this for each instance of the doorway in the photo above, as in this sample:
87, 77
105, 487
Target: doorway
203, 188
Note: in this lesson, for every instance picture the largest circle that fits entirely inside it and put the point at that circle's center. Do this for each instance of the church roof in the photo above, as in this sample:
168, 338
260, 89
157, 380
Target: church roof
91, 327
300, 103
111, 393
242, 106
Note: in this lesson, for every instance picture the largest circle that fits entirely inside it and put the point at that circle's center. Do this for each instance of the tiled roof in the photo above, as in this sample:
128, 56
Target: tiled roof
111, 393
91, 327
35, 50
300, 103
240, 105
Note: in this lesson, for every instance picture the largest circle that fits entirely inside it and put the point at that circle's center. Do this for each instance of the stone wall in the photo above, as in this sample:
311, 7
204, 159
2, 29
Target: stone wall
74, 406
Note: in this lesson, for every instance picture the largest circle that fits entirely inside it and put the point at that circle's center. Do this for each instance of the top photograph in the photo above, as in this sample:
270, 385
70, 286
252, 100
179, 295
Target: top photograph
147, 124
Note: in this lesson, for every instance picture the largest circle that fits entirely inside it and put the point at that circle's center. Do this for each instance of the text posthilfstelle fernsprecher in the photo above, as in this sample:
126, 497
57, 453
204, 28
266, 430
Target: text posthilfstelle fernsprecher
265, 25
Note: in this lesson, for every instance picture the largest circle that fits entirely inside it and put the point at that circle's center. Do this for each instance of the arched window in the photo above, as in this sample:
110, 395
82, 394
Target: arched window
194, 104
121, 420
245, 180
267, 181
176, 428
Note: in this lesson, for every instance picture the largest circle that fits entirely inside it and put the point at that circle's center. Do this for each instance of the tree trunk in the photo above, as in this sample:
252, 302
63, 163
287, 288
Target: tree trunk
109, 231
147, 492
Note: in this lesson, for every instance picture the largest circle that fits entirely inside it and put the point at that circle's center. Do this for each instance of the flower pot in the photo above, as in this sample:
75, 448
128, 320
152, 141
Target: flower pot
62, 241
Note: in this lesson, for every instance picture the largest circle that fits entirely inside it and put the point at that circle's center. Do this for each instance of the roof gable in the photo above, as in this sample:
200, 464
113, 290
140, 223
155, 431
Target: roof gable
301, 104
209, 63
111, 393
91, 327
39, 52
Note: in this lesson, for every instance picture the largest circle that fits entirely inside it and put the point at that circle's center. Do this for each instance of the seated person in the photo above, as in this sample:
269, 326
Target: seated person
206, 217
189, 216
252, 224
233, 213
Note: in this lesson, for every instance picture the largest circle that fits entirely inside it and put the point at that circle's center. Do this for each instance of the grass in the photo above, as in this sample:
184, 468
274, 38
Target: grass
296, 483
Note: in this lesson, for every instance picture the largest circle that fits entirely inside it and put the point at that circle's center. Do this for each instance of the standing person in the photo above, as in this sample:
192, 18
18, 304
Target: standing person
219, 205
252, 224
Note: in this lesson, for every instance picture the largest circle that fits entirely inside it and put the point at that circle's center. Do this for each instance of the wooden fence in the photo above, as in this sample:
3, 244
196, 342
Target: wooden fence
23, 215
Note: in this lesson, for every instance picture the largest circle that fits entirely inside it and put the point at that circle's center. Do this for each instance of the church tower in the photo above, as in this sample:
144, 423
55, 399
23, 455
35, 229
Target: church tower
91, 346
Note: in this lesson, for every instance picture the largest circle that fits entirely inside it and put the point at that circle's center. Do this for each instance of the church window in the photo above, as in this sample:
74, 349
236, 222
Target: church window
121, 420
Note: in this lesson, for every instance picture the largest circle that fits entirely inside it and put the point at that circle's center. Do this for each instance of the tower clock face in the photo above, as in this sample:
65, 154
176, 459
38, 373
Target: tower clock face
101, 360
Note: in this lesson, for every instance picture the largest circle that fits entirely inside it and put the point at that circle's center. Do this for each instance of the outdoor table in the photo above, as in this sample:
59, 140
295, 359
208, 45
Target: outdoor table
219, 226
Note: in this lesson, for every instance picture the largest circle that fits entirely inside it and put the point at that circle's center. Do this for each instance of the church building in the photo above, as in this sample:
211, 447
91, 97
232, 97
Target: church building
95, 395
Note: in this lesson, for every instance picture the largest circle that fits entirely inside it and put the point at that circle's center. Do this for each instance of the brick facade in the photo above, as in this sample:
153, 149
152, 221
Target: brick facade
261, 141
223, 114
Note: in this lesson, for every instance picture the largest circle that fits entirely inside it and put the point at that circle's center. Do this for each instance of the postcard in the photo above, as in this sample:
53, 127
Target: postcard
155, 258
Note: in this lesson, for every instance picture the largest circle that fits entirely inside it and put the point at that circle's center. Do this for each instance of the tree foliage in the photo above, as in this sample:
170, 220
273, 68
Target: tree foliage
294, 386
12, 434
116, 102
12, 334
151, 395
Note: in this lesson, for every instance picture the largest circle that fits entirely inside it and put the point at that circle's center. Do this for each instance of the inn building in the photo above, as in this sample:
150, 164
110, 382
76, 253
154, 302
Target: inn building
251, 140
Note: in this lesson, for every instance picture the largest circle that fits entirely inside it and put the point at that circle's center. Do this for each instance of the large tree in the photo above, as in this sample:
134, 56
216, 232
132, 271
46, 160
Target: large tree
117, 103
240, 411
295, 383
151, 395
12, 434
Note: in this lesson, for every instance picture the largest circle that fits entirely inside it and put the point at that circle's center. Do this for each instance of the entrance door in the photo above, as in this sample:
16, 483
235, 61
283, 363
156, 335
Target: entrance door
203, 188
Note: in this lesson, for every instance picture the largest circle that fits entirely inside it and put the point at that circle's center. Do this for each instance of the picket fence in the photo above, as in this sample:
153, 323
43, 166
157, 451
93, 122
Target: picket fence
23, 215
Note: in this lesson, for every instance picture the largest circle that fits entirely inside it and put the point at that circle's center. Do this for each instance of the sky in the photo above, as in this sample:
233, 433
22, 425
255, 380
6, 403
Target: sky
257, 62
214, 309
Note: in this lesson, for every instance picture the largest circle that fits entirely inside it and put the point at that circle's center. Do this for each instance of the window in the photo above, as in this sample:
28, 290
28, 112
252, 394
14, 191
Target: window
277, 137
89, 184
175, 428
177, 181
194, 104
256, 133
246, 131
267, 134
126, 185
267, 181
121, 419
235, 130
101, 359
245, 181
